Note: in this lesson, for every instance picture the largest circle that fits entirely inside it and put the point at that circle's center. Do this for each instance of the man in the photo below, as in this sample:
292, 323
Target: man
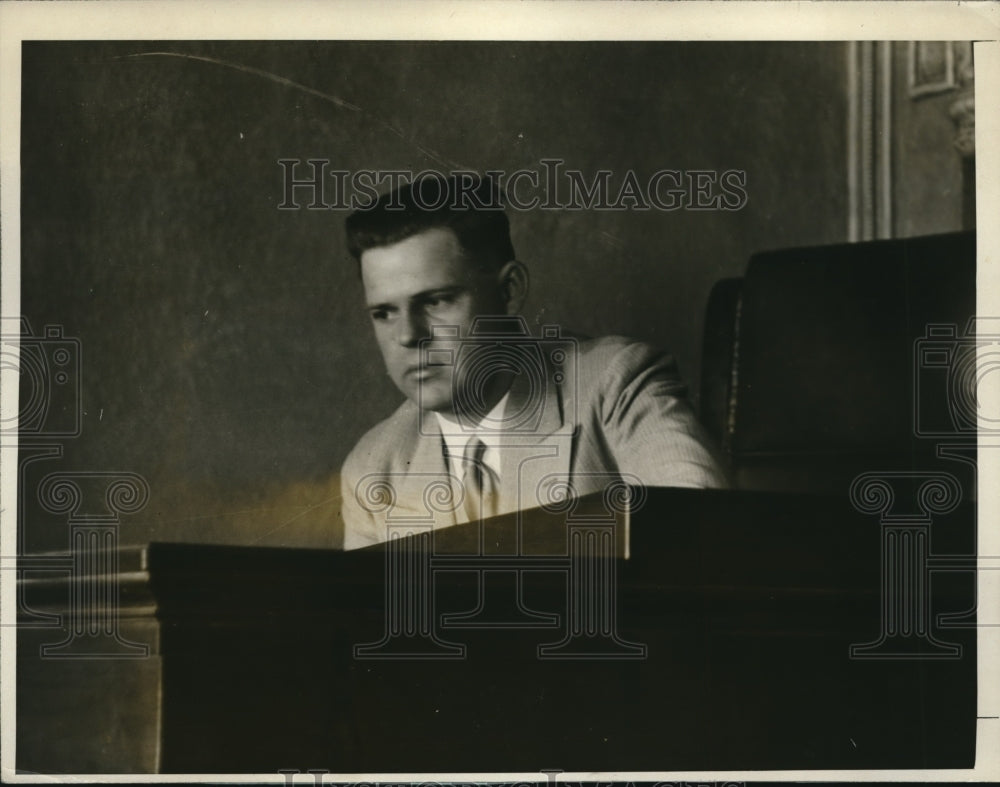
495, 420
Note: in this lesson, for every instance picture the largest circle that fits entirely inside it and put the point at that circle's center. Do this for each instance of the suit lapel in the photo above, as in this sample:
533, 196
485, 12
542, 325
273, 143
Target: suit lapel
421, 469
537, 446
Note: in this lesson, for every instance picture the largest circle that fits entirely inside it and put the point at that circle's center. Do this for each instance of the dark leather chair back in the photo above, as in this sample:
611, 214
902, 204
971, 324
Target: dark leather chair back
826, 351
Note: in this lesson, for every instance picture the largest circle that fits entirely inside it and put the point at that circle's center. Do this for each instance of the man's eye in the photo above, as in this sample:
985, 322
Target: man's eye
439, 301
380, 315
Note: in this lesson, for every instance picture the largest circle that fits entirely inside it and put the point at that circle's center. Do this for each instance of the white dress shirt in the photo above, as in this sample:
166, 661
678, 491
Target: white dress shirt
455, 439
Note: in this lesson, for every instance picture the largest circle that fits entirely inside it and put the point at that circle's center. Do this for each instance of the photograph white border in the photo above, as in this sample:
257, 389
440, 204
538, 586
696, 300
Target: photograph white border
539, 20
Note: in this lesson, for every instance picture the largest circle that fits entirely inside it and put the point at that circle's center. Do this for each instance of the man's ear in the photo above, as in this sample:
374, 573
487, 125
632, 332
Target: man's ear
513, 281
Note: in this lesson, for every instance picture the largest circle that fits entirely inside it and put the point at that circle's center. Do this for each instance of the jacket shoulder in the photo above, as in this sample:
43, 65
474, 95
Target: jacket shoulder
613, 367
616, 354
380, 445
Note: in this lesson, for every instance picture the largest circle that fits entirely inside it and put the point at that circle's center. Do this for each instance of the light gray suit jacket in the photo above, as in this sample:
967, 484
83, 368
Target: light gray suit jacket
614, 408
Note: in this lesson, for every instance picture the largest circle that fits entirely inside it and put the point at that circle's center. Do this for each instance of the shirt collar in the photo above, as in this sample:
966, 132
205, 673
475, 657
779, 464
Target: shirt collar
456, 437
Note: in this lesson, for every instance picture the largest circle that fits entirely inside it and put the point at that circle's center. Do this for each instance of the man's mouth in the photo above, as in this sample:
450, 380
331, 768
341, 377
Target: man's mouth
419, 373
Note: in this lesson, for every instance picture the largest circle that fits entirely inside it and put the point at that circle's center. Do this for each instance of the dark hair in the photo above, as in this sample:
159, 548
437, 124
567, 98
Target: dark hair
467, 204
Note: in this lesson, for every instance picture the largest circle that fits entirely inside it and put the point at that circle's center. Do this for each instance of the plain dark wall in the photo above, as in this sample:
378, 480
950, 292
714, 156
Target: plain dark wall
226, 355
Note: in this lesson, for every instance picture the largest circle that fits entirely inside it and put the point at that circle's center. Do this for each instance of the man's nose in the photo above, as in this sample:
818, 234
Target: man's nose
411, 327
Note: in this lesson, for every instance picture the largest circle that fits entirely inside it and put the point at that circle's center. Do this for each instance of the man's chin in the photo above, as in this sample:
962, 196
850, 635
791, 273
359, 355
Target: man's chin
431, 397
435, 406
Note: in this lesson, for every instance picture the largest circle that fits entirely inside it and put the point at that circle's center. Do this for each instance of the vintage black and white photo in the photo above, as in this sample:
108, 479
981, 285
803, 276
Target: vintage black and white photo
471, 402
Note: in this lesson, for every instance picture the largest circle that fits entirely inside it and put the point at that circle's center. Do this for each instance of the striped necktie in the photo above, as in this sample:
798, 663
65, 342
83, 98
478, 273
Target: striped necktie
479, 482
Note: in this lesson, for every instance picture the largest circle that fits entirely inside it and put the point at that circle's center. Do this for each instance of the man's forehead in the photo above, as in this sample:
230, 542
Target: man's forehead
429, 260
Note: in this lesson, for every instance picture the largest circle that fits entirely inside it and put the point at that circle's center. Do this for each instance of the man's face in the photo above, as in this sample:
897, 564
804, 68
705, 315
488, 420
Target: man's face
410, 286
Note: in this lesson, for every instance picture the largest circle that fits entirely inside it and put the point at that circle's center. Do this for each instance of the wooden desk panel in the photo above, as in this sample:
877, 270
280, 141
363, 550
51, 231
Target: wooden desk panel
746, 604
